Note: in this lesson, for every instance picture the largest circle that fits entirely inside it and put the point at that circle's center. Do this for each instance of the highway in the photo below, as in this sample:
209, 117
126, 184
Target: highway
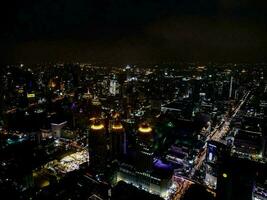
182, 184
218, 132
13, 110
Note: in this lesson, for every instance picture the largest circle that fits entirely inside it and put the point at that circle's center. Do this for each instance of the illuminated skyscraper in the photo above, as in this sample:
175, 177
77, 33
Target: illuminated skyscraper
97, 146
117, 140
114, 87
144, 157
128, 71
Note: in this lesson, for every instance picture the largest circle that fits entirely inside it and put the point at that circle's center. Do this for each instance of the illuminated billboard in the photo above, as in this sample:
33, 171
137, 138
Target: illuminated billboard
212, 153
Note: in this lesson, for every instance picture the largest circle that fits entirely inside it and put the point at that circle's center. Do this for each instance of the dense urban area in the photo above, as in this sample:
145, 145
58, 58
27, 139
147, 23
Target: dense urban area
168, 131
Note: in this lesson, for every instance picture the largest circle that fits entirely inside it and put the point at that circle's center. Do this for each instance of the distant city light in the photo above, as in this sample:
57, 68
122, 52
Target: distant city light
170, 124
30, 95
150, 127
225, 175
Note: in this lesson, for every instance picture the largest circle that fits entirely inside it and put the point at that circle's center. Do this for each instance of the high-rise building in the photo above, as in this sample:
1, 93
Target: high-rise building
144, 155
97, 146
236, 178
151, 175
128, 72
215, 151
248, 142
114, 87
117, 140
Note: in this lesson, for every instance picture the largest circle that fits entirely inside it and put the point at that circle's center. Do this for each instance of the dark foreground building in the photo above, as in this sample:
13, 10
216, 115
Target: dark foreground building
124, 191
236, 178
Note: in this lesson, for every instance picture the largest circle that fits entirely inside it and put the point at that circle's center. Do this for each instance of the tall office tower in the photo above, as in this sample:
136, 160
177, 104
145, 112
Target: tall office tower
117, 139
97, 146
215, 151
128, 72
114, 87
144, 155
231, 87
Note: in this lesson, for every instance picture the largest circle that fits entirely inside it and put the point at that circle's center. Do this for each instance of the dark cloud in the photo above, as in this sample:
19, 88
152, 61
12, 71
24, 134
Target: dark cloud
134, 30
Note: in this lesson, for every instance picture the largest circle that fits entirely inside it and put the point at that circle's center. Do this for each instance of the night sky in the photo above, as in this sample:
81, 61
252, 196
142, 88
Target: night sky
133, 31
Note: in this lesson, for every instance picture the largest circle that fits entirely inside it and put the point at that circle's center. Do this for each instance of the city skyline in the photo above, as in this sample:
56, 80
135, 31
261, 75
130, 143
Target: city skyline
133, 99
161, 131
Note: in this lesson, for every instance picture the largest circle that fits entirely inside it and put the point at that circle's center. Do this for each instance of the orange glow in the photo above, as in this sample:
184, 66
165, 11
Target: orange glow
53, 84
117, 127
45, 183
92, 119
97, 127
116, 115
145, 129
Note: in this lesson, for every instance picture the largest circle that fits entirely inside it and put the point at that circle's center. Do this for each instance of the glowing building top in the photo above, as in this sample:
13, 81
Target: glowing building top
145, 128
117, 126
97, 125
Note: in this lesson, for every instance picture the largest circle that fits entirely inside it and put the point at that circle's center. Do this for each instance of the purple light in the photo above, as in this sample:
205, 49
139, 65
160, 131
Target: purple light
73, 106
159, 164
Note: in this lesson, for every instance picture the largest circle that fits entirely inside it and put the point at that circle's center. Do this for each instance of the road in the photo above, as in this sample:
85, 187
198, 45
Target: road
13, 110
182, 184
218, 132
